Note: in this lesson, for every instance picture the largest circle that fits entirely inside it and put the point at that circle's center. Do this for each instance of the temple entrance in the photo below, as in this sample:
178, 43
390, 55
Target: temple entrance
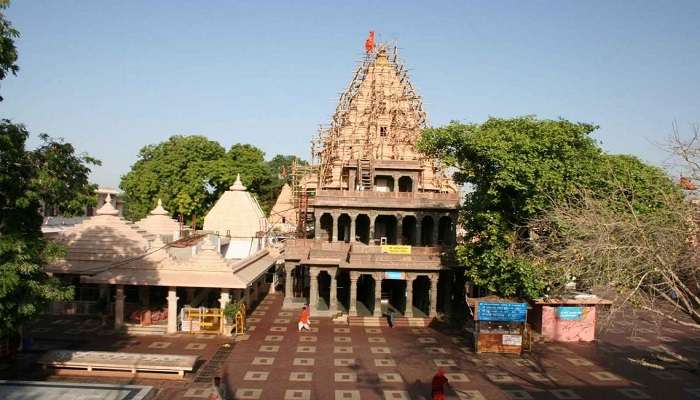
343, 283
362, 228
394, 293
344, 228
426, 231
421, 296
301, 281
365, 296
326, 231
324, 291
385, 227
408, 230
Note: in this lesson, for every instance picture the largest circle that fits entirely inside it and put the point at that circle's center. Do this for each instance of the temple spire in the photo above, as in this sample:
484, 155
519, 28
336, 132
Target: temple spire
238, 185
159, 210
107, 208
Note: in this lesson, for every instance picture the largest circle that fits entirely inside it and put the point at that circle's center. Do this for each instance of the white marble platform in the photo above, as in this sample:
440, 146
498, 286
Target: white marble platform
29, 390
106, 360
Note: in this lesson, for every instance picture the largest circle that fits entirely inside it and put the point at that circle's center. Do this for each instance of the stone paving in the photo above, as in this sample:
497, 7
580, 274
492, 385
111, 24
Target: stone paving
336, 361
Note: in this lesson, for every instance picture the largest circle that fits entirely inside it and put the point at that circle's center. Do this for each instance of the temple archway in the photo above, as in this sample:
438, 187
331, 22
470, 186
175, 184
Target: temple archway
405, 184
385, 226
426, 231
408, 230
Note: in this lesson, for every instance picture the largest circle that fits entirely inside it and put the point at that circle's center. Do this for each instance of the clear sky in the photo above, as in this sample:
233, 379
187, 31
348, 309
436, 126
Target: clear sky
111, 77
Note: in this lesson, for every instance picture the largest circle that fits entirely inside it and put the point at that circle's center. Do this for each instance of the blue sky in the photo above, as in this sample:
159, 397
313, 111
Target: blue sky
111, 77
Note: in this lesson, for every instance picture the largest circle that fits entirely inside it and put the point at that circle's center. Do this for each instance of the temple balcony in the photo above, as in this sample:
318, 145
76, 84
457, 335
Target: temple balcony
386, 200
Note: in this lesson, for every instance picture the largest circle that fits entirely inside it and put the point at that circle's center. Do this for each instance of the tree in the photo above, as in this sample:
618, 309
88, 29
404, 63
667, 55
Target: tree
8, 52
649, 257
27, 178
518, 169
189, 173
281, 168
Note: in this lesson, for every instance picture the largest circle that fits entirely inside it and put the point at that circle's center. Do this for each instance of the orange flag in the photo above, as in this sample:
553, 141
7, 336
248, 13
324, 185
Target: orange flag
369, 43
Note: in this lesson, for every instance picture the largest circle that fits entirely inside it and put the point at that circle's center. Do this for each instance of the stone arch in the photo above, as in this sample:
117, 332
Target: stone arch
326, 232
445, 230
344, 222
405, 184
421, 296
408, 230
365, 295
324, 290
426, 232
385, 226
383, 183
362, 228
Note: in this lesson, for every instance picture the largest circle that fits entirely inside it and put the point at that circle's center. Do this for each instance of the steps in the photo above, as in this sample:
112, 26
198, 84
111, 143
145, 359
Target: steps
399, 322
364, 167
137, 329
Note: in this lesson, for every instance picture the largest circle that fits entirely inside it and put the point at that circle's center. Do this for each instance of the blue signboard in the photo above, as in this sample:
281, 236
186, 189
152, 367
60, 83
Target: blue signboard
393, 275
570, 313
487, 311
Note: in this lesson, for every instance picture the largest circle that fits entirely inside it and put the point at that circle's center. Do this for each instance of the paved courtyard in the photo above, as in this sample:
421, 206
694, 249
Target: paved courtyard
336, 361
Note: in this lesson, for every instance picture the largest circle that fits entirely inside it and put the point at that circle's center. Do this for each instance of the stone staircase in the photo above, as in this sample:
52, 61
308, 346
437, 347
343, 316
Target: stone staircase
399, 322
138, 329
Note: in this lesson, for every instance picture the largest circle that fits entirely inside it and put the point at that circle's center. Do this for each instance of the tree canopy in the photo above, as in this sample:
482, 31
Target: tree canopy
28, 178
516, 169
8, 51
189, 173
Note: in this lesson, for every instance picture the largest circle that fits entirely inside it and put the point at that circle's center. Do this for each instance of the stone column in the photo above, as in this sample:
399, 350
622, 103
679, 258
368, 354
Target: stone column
335, 217
317, 227
377, 294
313, 290
119, 307
172, 310
446, 291
399, 229
354, 276
288, 283
408, 313
371, 228
433, 295
353, 219
334, 294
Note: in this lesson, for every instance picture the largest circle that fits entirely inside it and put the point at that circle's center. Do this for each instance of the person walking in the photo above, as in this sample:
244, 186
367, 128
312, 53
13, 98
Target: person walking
304, 321
438, 385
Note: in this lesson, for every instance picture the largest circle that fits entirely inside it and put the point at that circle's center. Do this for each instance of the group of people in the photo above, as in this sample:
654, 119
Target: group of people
437, 387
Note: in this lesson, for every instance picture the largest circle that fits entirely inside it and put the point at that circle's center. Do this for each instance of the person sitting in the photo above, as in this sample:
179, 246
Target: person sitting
304, 321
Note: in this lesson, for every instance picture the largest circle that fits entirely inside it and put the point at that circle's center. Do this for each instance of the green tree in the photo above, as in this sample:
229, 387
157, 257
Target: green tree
189, 173
515, 170
27, 178
8, 51
281, 168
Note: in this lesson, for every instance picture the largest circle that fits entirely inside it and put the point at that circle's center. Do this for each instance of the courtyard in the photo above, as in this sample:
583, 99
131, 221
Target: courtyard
337, 361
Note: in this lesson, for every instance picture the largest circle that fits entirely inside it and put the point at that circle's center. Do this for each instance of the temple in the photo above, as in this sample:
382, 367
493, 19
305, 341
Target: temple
376, 218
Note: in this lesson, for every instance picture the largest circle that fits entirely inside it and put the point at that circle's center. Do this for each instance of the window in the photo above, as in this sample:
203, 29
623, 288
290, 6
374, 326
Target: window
382, 131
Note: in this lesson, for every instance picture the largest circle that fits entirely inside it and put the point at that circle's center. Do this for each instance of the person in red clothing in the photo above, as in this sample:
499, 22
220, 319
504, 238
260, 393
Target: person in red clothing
438, 385
304, 321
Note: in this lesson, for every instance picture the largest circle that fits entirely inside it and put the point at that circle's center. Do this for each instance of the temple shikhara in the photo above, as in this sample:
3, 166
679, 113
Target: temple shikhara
376, 217
364, 231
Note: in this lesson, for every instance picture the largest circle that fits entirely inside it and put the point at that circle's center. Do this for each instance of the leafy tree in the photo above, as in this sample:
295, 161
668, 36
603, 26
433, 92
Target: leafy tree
8, 52
27, 178
189, 173
517, 169
281, 167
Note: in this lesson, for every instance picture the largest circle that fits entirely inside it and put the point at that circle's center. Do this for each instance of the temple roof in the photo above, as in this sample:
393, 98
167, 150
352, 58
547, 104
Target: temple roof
101, 240
236, 214
207, 268
284, 210
158, 222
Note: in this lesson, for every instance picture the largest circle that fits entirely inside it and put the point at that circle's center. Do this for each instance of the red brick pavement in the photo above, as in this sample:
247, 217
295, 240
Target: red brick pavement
337, 360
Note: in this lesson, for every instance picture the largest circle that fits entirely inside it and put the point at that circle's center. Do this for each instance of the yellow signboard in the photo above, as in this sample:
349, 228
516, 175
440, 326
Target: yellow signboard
396, 249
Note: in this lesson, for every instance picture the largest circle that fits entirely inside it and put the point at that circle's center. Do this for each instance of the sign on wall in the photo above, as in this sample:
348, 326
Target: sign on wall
394, 275
396, 249
512, 340
569, 313
488, 311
